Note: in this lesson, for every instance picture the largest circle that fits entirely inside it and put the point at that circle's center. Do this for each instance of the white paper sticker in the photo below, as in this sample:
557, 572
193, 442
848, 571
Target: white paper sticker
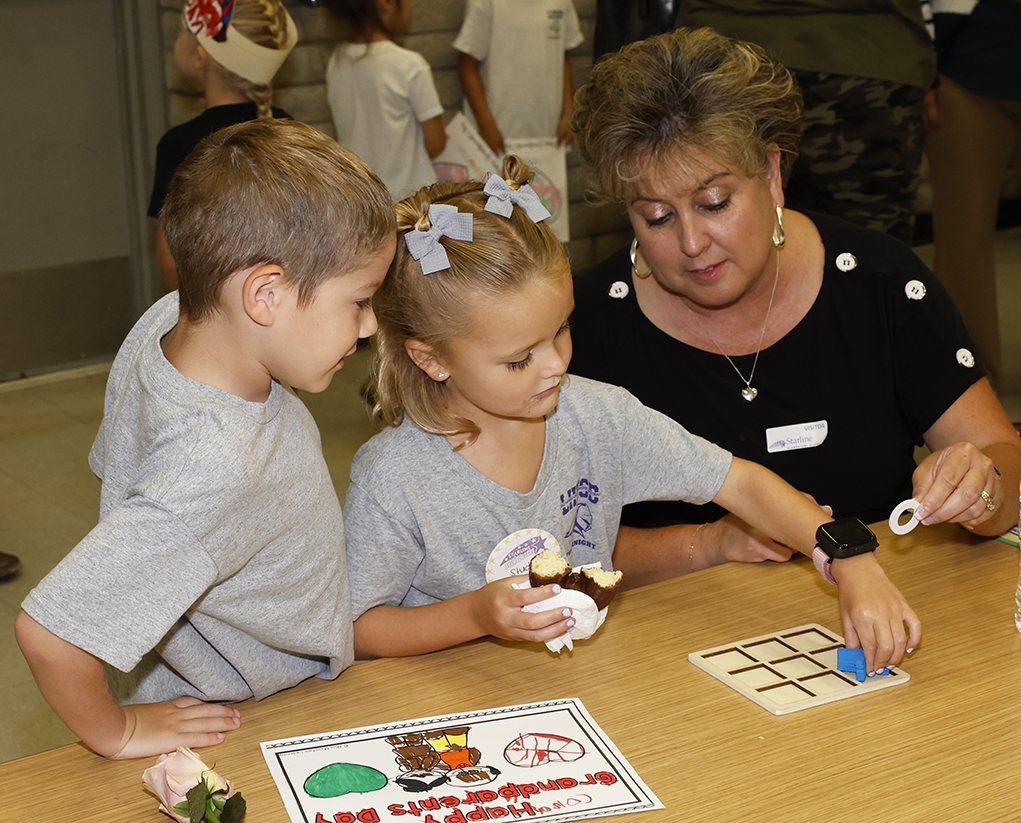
513, 555
796, 436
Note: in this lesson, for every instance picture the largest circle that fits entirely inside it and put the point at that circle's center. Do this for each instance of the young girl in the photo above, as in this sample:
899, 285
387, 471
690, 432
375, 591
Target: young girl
382, 96
484, 437
233, 51
514, 70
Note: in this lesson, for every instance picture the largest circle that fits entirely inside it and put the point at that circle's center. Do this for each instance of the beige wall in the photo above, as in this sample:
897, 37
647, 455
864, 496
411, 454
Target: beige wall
65, 282
301, 90
85, 100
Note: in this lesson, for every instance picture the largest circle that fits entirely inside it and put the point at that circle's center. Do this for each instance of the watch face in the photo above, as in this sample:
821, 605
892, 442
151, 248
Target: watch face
846, 538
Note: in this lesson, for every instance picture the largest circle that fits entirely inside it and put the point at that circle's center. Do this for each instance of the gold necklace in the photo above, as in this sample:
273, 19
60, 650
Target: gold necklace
749, 392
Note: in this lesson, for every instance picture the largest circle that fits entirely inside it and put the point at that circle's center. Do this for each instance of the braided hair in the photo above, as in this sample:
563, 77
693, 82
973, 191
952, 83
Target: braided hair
264, 22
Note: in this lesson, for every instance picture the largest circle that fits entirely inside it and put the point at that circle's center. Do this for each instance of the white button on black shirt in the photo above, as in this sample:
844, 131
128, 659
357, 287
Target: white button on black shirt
846, 261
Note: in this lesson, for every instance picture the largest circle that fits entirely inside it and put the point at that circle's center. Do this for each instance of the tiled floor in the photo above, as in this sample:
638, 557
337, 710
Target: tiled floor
51, 498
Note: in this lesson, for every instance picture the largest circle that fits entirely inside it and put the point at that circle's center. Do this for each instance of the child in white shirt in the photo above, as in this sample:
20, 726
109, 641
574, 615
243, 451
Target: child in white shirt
382, 96
514, 72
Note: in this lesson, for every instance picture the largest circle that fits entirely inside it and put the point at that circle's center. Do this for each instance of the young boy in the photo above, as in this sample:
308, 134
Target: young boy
217, 569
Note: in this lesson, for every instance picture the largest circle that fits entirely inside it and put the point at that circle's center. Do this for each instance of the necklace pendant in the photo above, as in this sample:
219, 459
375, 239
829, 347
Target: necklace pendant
749, 393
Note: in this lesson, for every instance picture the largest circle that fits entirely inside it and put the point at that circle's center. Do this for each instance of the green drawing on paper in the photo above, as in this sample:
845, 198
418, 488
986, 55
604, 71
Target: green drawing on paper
339, 779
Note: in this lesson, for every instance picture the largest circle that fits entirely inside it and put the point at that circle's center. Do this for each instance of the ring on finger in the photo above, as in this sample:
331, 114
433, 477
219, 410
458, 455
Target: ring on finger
988, 499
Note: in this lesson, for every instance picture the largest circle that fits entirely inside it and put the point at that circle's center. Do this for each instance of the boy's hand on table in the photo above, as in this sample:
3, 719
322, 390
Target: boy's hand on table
875, 615
497, 611
152, 729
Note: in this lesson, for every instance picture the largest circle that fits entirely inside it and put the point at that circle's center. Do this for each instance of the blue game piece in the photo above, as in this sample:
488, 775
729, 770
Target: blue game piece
852, 660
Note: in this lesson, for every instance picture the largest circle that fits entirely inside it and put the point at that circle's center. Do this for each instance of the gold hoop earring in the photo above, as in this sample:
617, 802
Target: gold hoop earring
634, 267
779, 235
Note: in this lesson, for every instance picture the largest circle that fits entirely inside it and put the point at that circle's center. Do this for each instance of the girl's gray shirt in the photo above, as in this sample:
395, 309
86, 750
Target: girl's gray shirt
421, 522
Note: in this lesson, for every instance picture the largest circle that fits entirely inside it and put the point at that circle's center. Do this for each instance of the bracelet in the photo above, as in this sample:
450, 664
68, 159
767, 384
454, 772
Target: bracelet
823, 562
691, 548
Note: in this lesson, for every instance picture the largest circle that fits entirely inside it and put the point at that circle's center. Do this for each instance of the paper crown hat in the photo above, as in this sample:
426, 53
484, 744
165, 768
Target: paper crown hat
209, 20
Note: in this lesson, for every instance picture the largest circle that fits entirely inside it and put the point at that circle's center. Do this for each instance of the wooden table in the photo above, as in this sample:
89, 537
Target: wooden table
945, 746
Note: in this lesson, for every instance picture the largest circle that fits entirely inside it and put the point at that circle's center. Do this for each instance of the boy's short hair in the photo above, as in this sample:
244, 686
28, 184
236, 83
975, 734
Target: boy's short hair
273, 192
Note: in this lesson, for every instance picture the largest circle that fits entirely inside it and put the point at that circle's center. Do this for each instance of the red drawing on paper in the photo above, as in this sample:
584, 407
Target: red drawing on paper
531, 750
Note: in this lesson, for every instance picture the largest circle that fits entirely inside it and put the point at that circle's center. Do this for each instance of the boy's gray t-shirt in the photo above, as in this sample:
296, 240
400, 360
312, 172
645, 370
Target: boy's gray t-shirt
421, 521
217, 568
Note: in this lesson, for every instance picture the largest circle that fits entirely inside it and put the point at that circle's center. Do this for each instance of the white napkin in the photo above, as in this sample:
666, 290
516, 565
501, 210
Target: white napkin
583, 609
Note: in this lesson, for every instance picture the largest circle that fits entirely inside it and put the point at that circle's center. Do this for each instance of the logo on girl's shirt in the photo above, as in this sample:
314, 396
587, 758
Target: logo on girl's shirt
583, 490
582, 521
580, 498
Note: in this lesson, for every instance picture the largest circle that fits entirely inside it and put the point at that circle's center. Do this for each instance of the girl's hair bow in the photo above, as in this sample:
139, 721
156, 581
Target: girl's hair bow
425, 246
503, 199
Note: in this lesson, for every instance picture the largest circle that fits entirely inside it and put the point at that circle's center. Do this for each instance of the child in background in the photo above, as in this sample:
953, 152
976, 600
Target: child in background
234, 56
514, 72
216, 572
382, 96
483, 437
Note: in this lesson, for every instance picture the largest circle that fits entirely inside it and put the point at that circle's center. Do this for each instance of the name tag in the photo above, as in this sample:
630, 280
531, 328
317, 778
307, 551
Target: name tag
796, 436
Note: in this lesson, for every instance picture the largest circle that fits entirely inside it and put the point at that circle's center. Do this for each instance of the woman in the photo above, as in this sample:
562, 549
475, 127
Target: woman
821, 350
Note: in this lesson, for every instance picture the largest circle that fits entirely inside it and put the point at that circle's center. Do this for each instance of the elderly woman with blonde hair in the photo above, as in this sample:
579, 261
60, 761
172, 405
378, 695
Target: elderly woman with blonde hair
824, 351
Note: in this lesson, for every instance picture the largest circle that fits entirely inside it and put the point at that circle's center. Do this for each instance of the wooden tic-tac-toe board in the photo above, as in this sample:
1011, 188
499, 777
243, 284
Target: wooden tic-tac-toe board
790, 670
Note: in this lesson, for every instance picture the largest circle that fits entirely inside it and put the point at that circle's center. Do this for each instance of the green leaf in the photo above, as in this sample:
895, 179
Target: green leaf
234, 809
197, 796
182, 807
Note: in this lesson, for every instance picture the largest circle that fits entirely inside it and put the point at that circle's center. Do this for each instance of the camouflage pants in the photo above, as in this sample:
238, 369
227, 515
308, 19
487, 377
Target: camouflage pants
860, 152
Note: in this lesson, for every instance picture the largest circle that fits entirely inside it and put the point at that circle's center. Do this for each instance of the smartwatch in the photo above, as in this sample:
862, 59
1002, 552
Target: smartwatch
838, 539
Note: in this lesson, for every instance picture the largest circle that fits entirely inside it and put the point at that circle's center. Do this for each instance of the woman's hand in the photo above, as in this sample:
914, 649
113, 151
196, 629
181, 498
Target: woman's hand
875, 615
732, 540
967, 440
735, 541
496, 610
949, 485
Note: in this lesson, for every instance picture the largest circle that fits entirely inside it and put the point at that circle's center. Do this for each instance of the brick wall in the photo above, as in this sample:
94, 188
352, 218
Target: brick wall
300, 88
